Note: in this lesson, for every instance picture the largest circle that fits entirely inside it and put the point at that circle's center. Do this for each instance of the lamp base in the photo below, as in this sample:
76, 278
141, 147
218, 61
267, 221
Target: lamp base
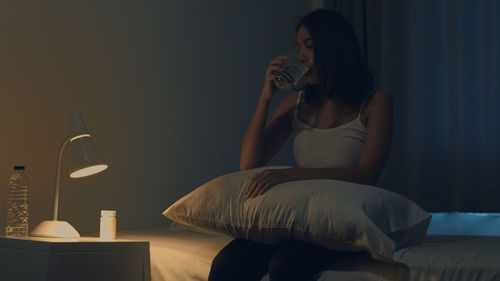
56, 229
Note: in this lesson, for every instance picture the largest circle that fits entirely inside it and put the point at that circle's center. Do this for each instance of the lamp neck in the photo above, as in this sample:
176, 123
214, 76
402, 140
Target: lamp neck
58, 175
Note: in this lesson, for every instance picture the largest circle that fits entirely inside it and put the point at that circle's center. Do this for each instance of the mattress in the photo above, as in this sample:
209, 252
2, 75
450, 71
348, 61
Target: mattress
180, 254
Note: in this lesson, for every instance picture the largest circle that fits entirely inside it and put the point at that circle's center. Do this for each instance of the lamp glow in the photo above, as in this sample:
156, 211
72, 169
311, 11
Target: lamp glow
80, 136
88, 171
85, 160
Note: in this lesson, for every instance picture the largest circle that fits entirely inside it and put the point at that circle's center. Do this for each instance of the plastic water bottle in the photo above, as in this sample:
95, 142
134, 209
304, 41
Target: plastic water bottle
17, 204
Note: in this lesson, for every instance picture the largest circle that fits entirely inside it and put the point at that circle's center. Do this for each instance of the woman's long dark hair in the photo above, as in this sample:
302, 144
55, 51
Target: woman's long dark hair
342, 72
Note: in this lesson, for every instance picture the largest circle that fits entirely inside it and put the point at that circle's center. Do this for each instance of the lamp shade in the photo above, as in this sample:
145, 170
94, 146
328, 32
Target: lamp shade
85, 158
77, 126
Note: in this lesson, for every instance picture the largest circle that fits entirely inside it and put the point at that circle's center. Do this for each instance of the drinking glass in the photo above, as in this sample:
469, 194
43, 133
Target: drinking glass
294, 71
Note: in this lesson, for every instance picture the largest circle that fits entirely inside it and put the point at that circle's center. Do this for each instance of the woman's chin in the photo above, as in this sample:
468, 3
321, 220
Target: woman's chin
311, 76
311, 80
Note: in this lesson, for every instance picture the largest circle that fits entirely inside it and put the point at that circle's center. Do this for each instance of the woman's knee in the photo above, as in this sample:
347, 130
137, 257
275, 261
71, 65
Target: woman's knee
228, 262
241, 260
222, 269
298, 261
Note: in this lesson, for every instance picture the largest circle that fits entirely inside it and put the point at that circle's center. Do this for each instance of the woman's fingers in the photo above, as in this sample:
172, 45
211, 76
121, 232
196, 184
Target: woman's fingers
281, 58
279, 61
261, 187
253, 185
264, 180
259, 184
254, 191
274, 68
276, 65
265, 188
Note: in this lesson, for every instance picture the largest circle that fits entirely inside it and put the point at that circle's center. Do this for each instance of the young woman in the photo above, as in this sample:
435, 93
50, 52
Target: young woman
341, 129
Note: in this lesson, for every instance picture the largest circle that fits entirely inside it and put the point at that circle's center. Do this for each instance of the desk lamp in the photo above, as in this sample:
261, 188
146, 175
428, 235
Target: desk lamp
85, 160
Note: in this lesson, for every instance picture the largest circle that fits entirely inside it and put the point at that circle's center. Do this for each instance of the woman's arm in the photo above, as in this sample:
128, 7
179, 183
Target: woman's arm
262, 142
373, 157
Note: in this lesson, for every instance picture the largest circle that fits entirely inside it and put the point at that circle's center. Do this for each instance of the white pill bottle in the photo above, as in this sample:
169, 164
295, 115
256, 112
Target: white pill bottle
108, 225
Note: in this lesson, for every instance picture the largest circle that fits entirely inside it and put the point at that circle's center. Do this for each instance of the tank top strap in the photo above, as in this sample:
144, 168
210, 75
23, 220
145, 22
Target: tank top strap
296, 111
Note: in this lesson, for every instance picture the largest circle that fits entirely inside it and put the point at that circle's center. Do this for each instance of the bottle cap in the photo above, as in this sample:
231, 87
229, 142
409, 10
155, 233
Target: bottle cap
108, 213
18, 168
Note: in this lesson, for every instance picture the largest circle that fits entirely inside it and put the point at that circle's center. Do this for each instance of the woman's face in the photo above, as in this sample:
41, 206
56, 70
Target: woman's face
304, 45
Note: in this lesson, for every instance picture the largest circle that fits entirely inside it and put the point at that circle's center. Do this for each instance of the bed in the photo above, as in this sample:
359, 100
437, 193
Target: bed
179, 253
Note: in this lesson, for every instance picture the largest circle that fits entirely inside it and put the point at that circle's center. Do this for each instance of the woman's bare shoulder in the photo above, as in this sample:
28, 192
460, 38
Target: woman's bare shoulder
379, 100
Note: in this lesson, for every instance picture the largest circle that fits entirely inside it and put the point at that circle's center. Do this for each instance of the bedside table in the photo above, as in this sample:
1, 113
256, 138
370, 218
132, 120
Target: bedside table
73, 259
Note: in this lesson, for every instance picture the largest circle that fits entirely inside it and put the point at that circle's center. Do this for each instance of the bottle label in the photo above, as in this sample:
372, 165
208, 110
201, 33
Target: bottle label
107, 228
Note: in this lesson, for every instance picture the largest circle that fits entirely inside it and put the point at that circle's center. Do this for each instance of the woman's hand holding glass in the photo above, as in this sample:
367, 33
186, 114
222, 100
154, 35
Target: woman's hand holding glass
283, 73
270, 85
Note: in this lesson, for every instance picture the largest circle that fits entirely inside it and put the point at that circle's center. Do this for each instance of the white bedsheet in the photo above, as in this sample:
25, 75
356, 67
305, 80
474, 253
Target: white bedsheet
453, 258
185, 255
179, 255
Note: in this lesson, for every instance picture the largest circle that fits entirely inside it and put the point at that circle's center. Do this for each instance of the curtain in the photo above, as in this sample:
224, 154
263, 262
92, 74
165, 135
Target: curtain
440, 61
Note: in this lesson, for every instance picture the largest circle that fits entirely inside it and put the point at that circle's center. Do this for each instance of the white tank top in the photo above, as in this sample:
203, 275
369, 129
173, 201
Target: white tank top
327, 148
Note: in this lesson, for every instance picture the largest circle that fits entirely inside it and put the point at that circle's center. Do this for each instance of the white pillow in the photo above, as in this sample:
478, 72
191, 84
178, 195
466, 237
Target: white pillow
334, 214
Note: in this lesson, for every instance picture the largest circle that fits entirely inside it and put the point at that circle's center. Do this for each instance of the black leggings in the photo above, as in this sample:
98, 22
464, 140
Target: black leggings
245, 260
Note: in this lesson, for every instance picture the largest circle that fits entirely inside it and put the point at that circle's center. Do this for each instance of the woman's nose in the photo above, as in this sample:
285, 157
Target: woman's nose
300, 55
301, 58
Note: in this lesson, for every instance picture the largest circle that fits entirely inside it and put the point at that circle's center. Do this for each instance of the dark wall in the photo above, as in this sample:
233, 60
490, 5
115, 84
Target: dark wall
166, 87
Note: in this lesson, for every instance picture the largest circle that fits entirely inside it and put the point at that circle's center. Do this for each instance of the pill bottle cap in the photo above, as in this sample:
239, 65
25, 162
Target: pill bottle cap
108, 213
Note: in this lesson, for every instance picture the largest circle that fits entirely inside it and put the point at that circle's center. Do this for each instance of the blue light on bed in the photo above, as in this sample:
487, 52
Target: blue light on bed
456, 223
